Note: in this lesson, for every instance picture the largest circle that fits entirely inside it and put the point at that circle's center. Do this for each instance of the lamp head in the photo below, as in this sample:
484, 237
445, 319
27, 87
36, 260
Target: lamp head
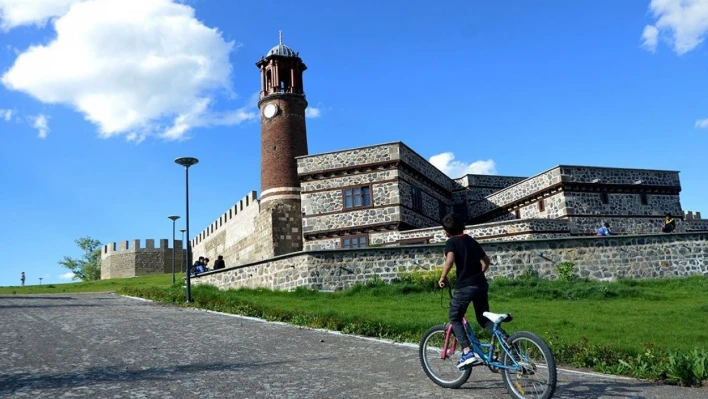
186, 161
173, 217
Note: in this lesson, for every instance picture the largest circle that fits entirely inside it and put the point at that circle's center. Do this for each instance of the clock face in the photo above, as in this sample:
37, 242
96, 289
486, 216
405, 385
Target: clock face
270, 110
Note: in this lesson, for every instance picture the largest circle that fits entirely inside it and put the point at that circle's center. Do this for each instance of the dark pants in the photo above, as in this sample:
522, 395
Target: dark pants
477, 294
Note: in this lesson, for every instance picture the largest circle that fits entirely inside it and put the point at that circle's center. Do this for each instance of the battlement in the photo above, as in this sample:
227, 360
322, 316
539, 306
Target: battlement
692, 215
239, 207
134, 245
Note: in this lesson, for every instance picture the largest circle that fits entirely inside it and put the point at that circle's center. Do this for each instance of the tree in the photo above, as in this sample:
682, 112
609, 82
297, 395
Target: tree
87, 268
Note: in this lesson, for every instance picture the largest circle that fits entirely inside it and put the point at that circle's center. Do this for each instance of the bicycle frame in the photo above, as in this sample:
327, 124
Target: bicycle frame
477, 346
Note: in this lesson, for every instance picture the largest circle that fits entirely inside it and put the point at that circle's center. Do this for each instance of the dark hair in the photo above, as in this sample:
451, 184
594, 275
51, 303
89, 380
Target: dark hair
607, 225
453, 224
668, 215
221, 257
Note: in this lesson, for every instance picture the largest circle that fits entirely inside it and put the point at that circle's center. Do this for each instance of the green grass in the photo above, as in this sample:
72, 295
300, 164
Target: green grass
155, 280
644, 328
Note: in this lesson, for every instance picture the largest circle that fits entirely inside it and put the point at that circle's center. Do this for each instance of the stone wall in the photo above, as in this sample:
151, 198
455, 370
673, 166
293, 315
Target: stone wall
549, 206
499, 231
424, 167
121, 260
493, 181
621, 204
622, 176
599, 258
515, 192
343, 159
233, 235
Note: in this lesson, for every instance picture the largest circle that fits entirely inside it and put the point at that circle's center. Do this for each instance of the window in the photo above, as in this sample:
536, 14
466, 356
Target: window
417, 199
518, 213
643, 199
604, 198
354, 242
357, 197
542, 205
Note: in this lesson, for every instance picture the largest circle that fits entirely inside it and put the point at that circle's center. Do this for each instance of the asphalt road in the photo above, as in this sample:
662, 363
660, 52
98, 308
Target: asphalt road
108, 346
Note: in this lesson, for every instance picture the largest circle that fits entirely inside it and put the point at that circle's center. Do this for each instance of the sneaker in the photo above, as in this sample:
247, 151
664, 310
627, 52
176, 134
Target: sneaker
469, 359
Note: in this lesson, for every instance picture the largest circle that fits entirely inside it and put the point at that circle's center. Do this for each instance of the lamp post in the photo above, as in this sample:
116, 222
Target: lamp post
187, 162
173, 218
184, 258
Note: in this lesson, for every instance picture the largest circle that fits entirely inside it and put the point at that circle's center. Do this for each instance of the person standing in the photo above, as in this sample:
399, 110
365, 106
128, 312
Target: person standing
22, 278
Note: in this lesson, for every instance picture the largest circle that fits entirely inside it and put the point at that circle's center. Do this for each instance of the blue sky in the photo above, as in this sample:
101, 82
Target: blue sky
97, 100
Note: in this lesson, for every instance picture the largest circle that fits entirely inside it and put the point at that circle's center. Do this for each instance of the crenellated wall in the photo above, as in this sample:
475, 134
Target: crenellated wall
228, 235
597, 258
130, 259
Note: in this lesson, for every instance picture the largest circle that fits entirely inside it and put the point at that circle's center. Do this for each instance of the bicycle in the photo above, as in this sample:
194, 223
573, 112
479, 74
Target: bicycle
512, 362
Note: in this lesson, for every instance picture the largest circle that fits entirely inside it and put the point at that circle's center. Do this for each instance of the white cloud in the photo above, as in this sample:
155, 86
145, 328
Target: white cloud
702, 123
67, 276
14, 13
132, 67
683, 23
651, 37
447, 164
41, 123
312, 112
6, 114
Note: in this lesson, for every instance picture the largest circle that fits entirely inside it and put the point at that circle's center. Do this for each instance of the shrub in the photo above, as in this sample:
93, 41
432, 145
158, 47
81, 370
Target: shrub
565, 271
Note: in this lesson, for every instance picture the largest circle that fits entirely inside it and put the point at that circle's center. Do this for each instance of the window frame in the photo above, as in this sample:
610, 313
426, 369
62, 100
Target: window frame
356, 237
362, 197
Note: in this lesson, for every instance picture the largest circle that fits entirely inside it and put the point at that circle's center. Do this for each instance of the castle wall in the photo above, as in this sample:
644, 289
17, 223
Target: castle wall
234, 235
121, 260
498, 231
597, 258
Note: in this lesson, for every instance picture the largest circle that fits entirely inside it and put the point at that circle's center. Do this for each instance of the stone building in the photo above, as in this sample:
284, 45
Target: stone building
387, 194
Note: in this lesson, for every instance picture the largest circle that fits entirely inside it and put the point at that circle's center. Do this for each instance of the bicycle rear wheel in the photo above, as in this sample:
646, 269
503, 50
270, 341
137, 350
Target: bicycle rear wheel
536, 376
442, 369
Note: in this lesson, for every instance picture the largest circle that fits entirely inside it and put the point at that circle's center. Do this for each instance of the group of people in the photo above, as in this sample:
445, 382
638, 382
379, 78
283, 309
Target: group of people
200, 265
668, 226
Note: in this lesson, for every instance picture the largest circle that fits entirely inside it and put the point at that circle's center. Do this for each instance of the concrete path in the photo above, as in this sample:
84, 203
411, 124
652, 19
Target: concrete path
108, 346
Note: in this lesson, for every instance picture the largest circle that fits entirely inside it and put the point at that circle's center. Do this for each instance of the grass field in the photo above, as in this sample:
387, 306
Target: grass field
648, 328
156, 280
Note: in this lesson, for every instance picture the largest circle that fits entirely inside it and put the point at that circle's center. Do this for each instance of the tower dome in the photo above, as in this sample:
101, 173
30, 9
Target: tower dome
281, 49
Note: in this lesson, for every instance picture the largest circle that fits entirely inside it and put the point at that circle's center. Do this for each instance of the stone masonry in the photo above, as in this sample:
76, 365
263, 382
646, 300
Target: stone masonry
597, 258
120, 260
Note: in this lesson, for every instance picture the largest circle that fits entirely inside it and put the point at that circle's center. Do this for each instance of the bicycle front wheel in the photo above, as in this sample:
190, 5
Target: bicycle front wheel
534, 374
440, 361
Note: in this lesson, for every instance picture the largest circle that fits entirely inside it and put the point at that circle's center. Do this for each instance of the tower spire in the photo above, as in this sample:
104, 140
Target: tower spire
280, 37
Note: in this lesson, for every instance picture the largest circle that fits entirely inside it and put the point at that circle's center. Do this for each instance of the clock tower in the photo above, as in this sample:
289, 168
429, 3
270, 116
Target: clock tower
282, 107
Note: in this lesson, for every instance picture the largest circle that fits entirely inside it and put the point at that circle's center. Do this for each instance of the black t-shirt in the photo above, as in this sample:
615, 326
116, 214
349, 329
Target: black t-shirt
468, 259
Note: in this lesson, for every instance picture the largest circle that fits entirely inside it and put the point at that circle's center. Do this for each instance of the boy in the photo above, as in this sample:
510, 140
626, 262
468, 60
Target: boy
471, 263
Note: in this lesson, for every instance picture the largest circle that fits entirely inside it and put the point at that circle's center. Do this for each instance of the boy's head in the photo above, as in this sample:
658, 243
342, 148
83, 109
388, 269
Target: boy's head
453, 225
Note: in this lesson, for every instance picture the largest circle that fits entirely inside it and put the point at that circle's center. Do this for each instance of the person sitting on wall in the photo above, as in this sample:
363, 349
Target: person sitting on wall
669, 224
198, 266
219, 263
206, 263
604, 230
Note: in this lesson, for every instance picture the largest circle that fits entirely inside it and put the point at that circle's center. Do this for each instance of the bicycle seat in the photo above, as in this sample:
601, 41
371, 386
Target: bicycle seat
498, 317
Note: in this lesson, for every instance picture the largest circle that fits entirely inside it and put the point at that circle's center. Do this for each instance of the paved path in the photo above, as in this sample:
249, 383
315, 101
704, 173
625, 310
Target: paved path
107, 346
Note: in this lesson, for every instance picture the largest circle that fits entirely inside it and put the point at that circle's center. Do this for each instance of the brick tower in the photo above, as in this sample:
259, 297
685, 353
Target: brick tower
283, 137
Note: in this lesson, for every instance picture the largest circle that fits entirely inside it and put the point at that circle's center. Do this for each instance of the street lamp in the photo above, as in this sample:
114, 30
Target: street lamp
187, 162
173, 218
184, 258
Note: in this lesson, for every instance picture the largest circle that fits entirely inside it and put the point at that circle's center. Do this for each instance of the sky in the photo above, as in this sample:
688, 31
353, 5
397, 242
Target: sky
98, 97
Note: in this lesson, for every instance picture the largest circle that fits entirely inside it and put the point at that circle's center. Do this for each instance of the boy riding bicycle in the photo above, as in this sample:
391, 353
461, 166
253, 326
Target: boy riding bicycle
471, 262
